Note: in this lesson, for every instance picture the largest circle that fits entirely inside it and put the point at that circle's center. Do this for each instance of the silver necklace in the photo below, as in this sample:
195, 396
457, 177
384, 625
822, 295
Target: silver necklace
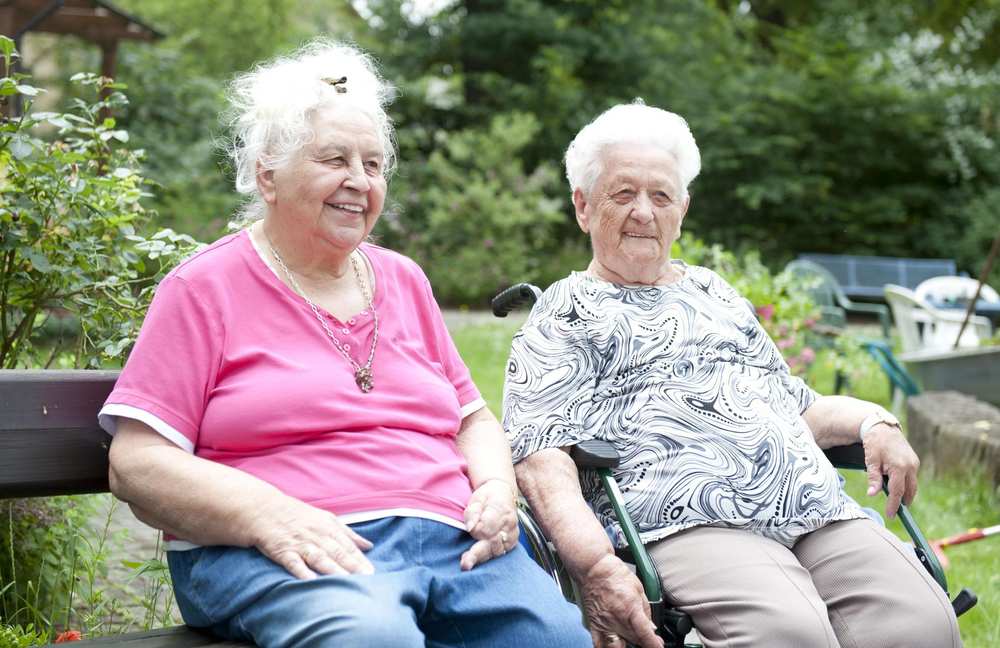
363, 375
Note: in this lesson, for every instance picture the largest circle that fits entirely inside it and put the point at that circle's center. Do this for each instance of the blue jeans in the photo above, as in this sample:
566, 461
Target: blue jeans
418, 596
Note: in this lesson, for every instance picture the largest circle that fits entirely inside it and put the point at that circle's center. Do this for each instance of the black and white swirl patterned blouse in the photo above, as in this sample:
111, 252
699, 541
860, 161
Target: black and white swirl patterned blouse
693, 394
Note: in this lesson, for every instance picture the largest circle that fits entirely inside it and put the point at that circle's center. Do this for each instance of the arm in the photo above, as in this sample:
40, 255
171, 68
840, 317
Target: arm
613, 597
210, 504
491, 515
836, 420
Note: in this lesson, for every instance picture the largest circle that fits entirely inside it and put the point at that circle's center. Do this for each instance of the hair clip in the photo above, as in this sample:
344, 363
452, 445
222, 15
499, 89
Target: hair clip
340, 85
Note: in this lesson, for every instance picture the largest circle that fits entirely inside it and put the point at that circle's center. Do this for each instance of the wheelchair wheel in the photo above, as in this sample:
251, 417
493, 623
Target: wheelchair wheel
544, 555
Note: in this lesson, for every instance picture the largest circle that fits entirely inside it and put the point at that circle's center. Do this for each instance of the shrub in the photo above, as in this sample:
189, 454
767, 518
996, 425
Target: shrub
71, 223
475, 219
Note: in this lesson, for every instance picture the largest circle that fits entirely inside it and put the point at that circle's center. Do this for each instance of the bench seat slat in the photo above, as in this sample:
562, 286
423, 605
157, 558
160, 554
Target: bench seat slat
176, 637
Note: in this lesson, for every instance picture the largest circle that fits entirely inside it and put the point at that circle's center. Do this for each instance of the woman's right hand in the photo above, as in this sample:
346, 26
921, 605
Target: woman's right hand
308, 541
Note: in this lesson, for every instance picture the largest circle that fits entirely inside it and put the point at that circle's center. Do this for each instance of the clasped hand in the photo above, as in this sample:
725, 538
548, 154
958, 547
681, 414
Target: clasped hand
491, 518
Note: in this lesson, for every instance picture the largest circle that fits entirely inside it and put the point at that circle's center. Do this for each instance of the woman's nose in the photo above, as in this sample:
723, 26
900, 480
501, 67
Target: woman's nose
357, 179
642, 209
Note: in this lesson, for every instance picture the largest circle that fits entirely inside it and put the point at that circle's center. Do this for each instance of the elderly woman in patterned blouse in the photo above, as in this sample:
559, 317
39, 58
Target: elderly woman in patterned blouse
722, 466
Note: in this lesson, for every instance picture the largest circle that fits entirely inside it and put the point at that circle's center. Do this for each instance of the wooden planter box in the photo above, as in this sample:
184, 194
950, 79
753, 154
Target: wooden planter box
974, 371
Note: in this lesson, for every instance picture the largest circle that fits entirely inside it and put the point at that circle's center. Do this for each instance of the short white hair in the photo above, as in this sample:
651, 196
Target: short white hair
634, 123
272, 106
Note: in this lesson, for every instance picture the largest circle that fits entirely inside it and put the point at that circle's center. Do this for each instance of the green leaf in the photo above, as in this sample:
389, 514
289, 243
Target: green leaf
21, 147
38, 261
7, 49
28, 90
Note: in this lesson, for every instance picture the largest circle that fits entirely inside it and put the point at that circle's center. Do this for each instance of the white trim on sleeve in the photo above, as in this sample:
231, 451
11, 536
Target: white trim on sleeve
107, 419
473, 407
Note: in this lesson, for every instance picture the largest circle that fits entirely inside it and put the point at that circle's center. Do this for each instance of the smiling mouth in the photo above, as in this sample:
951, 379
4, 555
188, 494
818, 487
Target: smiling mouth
638, 236
353, 209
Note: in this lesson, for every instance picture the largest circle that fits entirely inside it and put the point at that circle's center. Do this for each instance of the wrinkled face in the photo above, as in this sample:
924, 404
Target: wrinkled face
333, 189
634, 212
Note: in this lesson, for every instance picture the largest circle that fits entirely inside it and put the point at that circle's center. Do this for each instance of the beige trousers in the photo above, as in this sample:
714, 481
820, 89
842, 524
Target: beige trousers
850, 584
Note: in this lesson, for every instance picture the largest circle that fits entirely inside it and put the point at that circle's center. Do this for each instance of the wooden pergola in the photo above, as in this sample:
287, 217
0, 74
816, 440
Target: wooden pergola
94, 20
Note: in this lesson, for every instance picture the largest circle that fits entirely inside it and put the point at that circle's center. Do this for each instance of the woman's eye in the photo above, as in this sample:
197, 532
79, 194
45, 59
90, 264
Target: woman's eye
335, 161
373, 165
623, 196
662, 198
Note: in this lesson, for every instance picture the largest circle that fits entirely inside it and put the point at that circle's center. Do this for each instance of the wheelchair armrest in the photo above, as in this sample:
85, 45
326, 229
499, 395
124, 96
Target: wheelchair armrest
595, 453
847, 456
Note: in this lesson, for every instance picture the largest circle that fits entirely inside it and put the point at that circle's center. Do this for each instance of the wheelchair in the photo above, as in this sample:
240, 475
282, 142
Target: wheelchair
674, 625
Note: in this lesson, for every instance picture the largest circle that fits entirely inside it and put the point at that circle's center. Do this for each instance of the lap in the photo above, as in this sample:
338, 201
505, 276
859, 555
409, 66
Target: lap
418, 594
848, 584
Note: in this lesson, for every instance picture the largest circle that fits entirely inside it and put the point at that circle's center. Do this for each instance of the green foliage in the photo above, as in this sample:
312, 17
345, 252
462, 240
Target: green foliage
39, 557
68, 205
474, 218
16, 636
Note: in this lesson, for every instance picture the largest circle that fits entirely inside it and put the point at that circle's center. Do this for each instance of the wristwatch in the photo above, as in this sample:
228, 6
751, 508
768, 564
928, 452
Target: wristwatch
879, 416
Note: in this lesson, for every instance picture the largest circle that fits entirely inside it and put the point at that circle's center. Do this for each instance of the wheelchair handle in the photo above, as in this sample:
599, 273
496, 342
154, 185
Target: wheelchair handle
514, 297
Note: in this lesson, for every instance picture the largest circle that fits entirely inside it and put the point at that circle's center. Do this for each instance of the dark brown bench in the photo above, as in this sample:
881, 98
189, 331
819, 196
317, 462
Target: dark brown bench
50, 444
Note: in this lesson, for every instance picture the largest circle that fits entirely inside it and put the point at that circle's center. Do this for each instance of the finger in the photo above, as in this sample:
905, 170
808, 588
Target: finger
472, 513
874, 478
896, 484
343, 550
491, 522
644, 630
359, 541
911, 488
294, 565
478, 553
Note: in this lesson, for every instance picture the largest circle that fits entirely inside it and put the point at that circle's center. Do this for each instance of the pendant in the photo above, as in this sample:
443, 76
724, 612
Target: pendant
363, 376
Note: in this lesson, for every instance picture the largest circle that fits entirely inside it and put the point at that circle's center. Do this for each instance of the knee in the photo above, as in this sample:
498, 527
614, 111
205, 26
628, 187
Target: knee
931, 627
376, 625
799, 630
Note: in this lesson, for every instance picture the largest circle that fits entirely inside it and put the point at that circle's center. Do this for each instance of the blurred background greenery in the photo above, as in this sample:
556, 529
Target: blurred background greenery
857, 126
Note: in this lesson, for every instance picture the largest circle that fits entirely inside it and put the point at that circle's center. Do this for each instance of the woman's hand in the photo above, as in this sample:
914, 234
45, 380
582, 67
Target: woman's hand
616, 606
308, 541
491, 518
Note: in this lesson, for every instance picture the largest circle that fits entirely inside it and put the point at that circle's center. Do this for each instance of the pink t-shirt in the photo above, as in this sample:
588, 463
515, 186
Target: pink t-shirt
233, 366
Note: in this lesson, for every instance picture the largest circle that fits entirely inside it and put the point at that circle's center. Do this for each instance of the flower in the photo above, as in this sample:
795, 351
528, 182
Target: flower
69, 635
766, 312
807, 355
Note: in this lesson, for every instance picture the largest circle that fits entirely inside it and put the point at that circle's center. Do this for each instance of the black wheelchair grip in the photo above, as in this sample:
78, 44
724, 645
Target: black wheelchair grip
595, 453
965, 601
513, 298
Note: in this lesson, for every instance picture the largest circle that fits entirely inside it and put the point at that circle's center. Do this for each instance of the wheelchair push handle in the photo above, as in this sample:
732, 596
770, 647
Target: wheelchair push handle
514, 298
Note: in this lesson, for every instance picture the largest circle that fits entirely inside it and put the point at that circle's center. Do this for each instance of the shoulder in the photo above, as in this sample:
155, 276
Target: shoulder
393, 263
218, 257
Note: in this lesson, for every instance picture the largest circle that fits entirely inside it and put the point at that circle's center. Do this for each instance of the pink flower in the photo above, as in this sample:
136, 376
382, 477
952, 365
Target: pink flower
785, 343
807, 355
69, 635
766, 312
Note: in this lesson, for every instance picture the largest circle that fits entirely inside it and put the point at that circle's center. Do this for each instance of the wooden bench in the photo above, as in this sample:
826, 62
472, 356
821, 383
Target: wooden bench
50, 444
863, 277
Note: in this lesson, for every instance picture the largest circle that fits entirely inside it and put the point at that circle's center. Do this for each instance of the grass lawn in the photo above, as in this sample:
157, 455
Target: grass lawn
946, 504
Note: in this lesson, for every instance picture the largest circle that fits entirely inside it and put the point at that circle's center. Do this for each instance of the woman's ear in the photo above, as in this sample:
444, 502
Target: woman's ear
265, 184
580, 205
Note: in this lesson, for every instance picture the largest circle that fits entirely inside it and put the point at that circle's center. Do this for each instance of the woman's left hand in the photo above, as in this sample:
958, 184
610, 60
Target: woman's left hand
491, 518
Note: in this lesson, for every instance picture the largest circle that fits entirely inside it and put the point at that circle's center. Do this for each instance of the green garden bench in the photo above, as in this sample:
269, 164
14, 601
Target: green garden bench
50, 444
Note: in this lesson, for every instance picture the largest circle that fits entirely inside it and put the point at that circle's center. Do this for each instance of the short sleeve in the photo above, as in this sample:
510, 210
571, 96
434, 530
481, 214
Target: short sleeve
549, 383
455, 368
169, 375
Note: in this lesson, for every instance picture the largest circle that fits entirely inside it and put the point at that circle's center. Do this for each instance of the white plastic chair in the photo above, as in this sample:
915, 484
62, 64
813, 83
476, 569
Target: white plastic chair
921, 326
945, 289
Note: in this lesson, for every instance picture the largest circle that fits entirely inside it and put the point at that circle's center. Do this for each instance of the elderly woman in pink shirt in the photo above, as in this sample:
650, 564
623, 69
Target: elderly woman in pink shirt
296, 419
